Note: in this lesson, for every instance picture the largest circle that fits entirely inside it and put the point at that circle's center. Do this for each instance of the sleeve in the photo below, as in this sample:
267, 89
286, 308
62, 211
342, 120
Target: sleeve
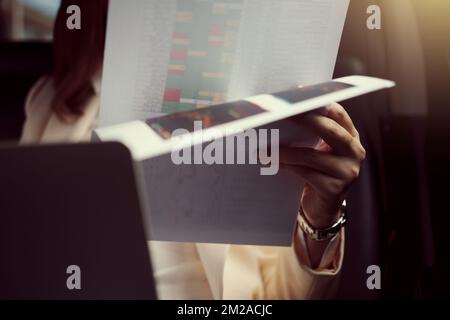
32, 94
253, 272
29, 128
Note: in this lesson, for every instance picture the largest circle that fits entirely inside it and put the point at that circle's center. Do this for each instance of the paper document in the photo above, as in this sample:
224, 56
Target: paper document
176, 55
153, 137
223, 201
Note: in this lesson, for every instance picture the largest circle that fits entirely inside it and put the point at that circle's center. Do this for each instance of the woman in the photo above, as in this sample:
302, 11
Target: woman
64, 106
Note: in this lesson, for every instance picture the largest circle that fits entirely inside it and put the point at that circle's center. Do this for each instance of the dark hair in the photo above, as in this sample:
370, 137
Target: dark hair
78, 56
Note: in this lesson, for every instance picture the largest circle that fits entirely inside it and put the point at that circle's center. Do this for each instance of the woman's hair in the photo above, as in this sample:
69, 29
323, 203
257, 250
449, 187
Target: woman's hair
77, 56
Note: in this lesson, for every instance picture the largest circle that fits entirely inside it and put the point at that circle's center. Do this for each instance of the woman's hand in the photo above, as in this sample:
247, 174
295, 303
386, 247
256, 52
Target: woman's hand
329, 171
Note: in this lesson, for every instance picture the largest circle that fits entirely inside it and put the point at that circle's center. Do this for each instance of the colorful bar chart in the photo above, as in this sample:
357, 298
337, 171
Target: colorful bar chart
203, 47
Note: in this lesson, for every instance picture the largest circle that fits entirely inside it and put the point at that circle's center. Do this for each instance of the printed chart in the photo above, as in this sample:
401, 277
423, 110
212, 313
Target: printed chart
201, 58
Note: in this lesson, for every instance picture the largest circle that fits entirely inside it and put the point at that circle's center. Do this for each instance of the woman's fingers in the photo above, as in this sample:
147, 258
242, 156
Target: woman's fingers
336, 128
338, 114
336, 136
322, 183
325, 162
332, 168
334, 111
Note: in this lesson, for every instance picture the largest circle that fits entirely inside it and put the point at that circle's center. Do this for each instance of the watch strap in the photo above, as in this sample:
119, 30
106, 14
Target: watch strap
323, 233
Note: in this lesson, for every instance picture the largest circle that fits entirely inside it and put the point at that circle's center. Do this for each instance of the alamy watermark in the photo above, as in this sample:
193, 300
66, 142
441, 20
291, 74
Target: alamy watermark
373, 22
229, 146
73, 281
374, 279
73, 21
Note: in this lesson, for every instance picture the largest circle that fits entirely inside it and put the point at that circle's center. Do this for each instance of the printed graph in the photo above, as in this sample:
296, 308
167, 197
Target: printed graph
201, 58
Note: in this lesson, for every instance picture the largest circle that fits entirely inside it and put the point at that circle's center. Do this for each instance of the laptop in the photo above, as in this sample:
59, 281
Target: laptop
71, 224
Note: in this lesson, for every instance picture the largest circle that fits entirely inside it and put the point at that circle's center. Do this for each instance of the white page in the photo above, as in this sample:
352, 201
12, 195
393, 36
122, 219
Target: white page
276, 44
296, 42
